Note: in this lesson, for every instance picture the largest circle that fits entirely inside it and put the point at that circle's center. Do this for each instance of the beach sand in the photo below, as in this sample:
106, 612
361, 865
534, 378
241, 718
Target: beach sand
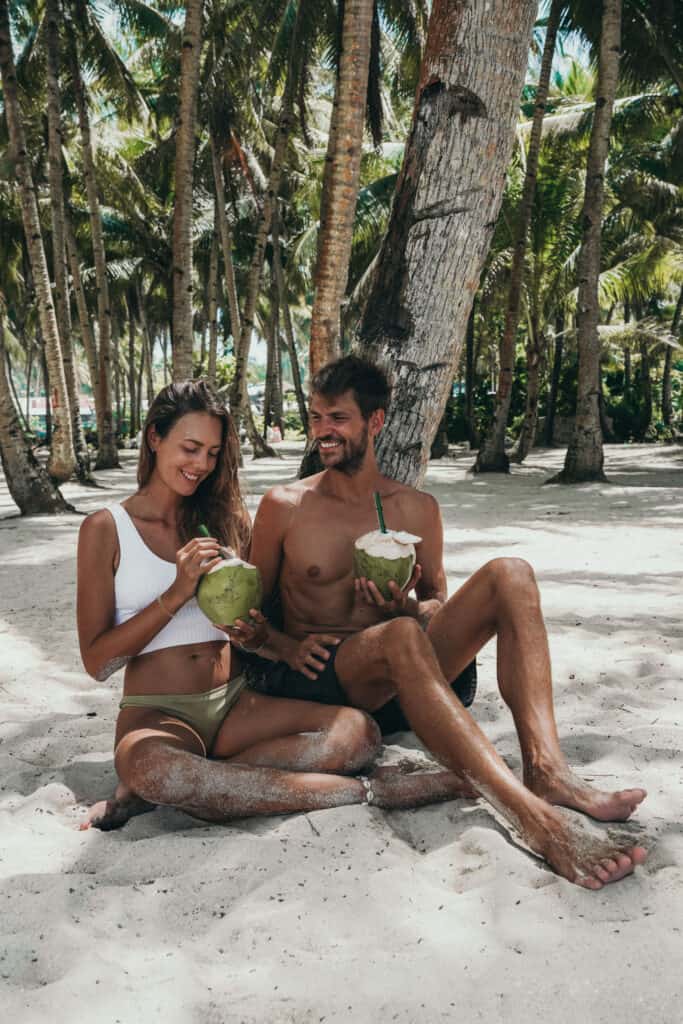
357, 914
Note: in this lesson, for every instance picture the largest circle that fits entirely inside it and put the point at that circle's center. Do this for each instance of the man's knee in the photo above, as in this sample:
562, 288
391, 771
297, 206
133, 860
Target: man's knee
403, 640
511, 575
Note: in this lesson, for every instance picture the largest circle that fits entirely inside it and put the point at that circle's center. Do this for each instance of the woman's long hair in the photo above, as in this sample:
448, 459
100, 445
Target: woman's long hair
218, 501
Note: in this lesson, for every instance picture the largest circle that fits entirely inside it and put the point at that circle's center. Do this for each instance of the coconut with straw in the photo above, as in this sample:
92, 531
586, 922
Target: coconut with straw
385, 555
229, 590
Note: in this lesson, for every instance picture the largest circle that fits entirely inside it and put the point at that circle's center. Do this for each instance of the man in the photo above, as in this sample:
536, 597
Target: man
343, 643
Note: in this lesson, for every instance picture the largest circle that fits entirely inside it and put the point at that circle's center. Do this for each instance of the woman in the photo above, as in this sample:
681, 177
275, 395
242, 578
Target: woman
189, 733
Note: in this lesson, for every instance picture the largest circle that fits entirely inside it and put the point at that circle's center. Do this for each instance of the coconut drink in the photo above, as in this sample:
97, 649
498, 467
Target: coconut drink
229, 590
384, 556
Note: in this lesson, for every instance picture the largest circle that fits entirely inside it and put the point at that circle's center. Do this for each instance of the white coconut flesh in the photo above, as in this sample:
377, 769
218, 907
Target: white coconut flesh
392, 544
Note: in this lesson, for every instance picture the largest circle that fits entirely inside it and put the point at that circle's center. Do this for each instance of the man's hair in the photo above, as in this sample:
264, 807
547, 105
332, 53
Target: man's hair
366, 381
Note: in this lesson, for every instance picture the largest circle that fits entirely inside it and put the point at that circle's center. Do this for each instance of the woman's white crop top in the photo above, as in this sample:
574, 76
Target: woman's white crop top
141, 577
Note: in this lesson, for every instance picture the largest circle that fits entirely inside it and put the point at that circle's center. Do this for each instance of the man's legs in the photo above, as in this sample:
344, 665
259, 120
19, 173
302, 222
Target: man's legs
398, 658
502, 599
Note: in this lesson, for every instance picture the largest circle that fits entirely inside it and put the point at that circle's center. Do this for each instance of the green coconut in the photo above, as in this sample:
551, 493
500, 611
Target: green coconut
229, 590
382, 557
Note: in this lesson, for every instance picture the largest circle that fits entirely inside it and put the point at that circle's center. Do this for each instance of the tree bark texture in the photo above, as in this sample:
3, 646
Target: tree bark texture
107, 454
470, 373
340, 182
492, 456
62, 456
29, 484
182, 213
584, 459
447, 199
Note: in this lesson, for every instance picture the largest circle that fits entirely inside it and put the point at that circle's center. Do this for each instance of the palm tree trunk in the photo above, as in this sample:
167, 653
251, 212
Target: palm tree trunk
470, 372
31, 488
584, 458
555, 380
182, 214
534, 358
213, 302
287, 321
147, 341
238, 390
667, 402
107, 453
84, 322
340, 183
62, 457
226, 243
447, 199
492, 457
645, 417
57, 207
132, 390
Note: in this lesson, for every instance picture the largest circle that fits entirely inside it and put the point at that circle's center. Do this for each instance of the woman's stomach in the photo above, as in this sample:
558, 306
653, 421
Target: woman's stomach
187, 668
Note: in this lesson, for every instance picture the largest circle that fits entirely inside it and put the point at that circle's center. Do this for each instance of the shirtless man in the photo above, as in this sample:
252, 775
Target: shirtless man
343, 643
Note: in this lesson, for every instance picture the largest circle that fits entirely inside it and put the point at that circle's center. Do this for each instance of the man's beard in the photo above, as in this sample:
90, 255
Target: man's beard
354, 454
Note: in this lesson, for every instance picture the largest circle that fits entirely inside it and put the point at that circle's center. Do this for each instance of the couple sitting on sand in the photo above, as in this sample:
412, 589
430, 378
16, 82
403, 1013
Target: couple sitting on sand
192, 734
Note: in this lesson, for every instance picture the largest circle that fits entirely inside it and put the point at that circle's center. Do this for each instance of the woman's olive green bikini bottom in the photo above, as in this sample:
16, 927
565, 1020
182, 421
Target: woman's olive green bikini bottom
203, 712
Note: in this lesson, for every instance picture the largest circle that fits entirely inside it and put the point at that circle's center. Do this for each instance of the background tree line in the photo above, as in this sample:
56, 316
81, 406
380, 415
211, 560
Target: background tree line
436, 185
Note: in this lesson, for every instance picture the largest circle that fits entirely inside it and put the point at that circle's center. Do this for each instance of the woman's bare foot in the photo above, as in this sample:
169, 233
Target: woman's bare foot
110, 814
408, 784
583, 854
562, 787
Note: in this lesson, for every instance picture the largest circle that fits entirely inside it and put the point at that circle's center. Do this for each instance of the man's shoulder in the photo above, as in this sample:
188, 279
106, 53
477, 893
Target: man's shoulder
293, 491
410, 498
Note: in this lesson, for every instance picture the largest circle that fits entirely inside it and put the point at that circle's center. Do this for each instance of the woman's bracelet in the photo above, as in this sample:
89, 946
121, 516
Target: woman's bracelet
249, 650
164, 608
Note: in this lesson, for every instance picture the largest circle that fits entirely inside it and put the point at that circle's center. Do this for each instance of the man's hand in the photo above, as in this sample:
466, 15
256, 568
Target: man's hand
310, 655
401, 603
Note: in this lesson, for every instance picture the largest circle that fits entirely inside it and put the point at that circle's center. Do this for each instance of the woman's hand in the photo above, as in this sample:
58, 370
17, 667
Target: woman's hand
401, 603
311, 655
252, 635
192, 562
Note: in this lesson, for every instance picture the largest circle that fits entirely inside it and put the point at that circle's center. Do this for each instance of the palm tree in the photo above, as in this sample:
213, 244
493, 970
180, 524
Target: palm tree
62, 457
182, 219
340, 183
447, 199
491, 456
584, 458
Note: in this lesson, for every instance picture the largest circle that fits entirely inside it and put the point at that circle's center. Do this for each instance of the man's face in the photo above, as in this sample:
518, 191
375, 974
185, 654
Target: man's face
340, 432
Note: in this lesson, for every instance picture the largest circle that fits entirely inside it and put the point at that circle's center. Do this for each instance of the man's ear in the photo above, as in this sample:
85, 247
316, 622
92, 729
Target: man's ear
376, 422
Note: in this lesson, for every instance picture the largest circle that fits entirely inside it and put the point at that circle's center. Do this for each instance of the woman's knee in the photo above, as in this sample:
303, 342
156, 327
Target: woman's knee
143, 763
353, 742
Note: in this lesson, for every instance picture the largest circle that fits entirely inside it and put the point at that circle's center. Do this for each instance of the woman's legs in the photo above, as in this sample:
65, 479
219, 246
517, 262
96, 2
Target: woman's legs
162, 762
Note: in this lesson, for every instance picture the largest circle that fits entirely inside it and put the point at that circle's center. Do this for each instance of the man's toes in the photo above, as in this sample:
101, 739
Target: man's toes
589, 882
609, 865
602, 872
638, 854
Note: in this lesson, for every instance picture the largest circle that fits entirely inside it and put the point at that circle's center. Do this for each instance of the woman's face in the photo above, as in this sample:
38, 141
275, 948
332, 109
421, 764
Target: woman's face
188, 453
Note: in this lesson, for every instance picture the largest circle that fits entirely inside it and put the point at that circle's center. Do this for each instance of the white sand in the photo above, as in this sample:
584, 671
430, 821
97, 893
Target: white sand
357, 914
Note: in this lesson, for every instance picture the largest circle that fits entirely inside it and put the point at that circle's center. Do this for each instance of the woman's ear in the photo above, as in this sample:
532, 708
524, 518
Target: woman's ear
153, 438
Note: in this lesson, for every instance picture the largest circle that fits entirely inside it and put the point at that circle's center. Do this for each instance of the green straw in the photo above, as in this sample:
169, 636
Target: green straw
204, 530
380, 514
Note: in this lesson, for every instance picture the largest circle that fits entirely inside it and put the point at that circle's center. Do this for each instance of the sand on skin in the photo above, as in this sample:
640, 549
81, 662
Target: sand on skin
357, 914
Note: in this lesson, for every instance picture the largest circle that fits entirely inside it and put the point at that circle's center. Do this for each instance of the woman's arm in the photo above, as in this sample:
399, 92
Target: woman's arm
101, 642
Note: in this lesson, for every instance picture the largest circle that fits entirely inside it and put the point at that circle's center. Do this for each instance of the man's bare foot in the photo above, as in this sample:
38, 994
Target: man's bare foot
584, 854
110, 814
408, 784
564, 788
